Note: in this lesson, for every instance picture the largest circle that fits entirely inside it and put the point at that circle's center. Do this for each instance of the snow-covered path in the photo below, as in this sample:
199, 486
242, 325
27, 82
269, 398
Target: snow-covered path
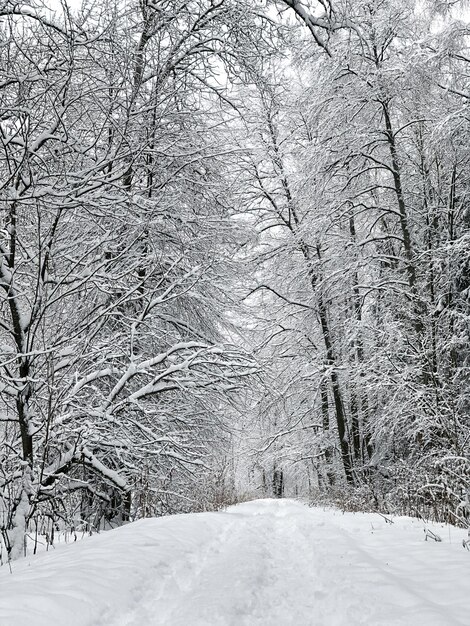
269, 562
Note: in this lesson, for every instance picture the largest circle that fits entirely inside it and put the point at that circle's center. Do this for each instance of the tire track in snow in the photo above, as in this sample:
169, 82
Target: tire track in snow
171, 580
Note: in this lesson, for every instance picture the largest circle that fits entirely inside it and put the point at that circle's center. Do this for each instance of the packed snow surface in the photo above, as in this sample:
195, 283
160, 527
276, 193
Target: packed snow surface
270, 562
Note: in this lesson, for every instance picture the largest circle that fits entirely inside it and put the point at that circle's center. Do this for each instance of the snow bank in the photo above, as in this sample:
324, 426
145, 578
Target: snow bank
264, 562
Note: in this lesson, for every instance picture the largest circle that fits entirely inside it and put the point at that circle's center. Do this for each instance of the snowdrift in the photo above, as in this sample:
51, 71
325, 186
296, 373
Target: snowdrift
264, 562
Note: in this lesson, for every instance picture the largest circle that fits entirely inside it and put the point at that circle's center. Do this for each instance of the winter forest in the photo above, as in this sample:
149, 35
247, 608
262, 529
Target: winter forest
234, 259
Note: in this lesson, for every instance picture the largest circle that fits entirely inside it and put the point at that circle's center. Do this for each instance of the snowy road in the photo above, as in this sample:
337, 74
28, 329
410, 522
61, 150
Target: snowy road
272, 563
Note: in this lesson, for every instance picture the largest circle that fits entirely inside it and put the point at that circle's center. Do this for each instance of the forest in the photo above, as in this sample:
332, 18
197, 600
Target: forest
234, 259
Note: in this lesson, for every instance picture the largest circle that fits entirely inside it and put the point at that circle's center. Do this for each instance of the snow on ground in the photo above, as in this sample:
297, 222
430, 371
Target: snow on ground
267, 562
